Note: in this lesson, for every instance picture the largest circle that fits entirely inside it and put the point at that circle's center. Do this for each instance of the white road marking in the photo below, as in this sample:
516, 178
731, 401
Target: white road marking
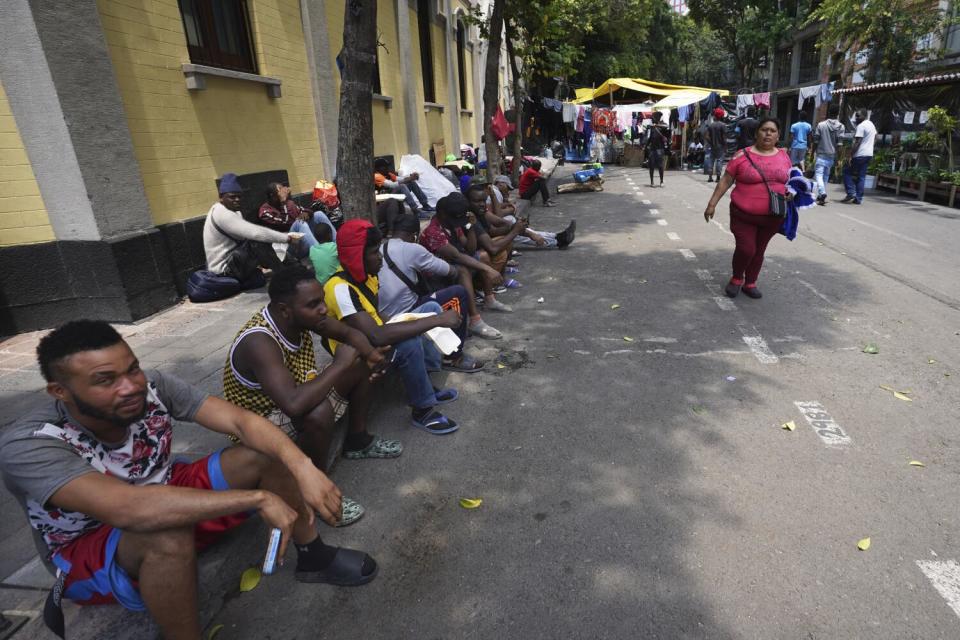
815, 292
759, 347
641, 193
582, 352
636, 188
887, 231
662, 222
722, 228
727, 304
654, 212
661, 340
673, 236
689, 255
704, 275
945, 577
646, 201
823, 423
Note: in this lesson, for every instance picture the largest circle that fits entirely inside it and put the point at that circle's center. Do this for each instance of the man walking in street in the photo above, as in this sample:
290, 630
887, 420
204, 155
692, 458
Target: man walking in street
827, 138
798, 140
717, 141
855, 173
747, 129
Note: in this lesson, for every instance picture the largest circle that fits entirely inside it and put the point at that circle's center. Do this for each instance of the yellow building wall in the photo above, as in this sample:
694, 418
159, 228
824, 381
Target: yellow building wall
184, 139
467, 131
23, 216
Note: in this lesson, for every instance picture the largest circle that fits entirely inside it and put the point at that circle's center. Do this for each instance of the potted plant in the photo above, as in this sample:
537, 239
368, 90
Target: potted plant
881, 163
938, 136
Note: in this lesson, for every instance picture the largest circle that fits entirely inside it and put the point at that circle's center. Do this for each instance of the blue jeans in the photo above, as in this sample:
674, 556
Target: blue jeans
821, 173
855, 176
410, 189
414, 358
309, 240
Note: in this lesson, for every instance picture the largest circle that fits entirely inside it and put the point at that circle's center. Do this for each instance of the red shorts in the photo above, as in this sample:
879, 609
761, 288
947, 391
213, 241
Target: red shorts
92, 574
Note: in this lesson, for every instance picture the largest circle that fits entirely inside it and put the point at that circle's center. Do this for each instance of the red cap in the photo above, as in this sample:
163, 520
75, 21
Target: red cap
719, 113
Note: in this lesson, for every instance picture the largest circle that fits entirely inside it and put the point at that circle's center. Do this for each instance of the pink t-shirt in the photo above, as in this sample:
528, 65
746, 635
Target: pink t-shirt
749, 194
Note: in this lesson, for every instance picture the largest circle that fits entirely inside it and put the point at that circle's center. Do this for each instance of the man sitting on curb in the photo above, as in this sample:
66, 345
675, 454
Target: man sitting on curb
386, 180
493, 251
501, 216
282, 214
404, 286
450, 236
272, 370
233, 246
533, 182
351, 296
118, 518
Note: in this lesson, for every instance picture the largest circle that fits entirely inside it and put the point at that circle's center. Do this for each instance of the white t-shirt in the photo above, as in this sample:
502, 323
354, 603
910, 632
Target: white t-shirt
868, 132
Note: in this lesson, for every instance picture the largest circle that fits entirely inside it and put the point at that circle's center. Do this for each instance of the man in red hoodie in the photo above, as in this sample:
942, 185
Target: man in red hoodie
351, 297
533, 182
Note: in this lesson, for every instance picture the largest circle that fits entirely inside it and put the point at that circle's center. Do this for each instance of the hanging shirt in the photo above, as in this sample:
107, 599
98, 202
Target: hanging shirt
762, 100
569, 112
744, 101
806, 93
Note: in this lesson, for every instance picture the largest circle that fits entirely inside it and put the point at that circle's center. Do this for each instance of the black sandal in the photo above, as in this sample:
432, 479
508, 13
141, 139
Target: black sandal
346, 570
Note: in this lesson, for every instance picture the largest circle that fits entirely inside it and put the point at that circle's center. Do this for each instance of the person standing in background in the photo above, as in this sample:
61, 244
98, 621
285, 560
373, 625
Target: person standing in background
855, 173
798, 140
827, 139
717, 142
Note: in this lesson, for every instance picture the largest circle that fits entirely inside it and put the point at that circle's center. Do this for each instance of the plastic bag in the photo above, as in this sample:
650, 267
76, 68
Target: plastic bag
326, 193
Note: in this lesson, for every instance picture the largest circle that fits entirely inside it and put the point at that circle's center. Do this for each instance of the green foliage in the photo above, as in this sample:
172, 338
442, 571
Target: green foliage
888, 30
748, 29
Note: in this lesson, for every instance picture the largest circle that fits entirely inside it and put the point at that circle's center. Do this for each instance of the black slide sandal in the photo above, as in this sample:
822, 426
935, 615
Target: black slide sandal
346, 570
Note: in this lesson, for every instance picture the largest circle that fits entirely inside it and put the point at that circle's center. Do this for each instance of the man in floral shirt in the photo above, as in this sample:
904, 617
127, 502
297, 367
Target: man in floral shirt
117, 518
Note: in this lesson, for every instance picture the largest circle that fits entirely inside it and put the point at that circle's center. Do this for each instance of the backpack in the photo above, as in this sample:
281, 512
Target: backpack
207, 286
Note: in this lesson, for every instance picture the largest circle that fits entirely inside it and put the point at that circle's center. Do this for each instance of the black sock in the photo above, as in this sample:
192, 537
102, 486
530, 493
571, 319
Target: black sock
315, 556
357, 441
421, 413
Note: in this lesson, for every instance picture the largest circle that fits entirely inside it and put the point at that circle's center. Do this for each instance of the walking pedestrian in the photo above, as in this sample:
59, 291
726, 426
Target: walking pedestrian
747, 129
798, 140
757, 171
658, 142
855, 173
717, 141
827, 139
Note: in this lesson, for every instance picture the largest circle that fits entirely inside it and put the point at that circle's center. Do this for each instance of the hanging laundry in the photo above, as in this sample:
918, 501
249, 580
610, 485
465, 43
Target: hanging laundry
806, 93
826, 92
762, 100
684, 113
711, 102
555, 105
569, 112
580, 117
744, 101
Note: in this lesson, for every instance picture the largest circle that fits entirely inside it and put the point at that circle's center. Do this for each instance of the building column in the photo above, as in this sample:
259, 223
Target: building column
411, 108
479, 64
326, 103
108, 260
453, 80
795, 64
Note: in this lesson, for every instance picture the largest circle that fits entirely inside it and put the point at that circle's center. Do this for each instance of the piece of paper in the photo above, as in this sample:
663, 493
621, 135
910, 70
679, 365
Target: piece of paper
908, 117
445, 339
924, 116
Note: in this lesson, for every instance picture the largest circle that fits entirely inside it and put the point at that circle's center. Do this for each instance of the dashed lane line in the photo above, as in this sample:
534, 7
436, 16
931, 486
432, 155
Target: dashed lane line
662, 222
944, 575
673, 236
687, 254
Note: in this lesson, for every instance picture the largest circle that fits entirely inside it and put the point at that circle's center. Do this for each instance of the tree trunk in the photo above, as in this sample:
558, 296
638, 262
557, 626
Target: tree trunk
518, 107
491, 88
355, 140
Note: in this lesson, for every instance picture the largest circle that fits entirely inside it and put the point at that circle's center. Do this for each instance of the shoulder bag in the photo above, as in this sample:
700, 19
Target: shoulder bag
778, 202
420, 287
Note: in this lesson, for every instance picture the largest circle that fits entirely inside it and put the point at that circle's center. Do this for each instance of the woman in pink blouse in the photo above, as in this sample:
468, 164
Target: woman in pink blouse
750, 219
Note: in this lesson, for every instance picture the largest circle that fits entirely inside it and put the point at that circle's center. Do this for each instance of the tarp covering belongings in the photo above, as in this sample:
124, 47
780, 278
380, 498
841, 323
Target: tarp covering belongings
434, 185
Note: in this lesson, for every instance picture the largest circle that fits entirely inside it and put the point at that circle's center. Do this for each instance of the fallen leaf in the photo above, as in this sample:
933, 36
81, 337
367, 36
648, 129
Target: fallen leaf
946, 375
916, 463
501, 366
931, 361
731, 378
614, 306
871, 348
698, 410
887, 387
470, 503
249, 580
864, 544
789, 426
551, 356
820, 243
539, 300
642, 281
214, 631
627, 339
901, 396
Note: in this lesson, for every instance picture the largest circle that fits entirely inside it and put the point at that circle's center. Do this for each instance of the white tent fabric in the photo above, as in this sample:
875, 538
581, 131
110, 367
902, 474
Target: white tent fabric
434, 185
682, 99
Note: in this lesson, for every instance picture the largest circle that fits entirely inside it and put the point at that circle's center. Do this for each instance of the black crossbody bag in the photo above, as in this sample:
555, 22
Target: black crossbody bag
778, 202
421, 288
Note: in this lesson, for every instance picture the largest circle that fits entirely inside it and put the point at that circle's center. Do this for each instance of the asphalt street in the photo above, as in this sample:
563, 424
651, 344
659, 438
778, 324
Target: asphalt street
636, 478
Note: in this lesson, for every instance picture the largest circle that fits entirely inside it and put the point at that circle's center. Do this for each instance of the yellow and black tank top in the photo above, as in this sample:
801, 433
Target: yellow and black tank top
299, 359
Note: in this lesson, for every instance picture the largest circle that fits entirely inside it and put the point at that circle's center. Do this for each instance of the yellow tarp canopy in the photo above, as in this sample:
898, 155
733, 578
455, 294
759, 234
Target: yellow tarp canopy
648, 87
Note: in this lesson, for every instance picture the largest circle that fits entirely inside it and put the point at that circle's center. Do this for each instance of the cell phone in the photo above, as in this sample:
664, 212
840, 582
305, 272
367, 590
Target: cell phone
273, 548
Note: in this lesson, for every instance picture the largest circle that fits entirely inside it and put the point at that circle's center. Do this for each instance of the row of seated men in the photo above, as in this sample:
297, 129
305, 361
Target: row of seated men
118, 519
